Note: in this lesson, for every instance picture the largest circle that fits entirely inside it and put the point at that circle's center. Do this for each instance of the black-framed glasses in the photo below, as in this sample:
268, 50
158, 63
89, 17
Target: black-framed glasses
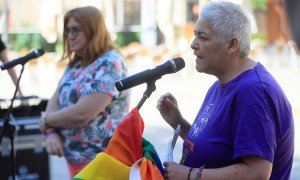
73, 30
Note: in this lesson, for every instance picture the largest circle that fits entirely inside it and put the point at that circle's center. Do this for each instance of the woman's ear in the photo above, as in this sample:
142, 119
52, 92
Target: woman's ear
233, 45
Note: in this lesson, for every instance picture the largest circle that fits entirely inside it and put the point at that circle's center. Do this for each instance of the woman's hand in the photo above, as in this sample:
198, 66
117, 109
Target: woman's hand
54, 145
175, 171
168, 108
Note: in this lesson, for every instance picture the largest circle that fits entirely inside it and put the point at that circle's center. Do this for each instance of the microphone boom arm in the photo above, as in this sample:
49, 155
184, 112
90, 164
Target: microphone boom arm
150, 88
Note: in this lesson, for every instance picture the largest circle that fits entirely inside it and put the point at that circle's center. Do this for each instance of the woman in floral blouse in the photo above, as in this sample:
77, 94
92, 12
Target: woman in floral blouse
86, 108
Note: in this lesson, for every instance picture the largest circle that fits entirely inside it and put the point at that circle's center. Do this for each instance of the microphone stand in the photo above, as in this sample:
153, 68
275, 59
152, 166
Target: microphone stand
9, 129
150, 88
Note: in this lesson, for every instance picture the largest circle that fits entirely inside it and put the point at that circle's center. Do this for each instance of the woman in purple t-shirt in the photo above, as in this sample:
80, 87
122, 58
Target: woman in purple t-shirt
244, 128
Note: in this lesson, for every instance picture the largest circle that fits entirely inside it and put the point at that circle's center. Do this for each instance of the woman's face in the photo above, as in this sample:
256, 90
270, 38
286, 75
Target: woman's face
209, 51
75, 36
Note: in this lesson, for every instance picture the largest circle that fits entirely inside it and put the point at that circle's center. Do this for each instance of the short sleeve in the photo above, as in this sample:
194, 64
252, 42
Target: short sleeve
254, 129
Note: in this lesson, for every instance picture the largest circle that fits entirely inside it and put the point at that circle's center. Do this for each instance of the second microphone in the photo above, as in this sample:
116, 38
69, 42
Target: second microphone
171, 66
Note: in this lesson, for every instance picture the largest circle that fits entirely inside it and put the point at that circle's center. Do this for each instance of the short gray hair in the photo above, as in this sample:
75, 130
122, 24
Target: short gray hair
229, 20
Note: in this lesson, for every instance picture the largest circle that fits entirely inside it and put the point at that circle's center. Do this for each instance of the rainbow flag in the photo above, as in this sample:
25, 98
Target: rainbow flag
127, 156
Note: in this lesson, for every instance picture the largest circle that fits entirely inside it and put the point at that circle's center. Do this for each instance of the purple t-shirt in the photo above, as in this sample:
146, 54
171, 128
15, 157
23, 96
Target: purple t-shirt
250, 115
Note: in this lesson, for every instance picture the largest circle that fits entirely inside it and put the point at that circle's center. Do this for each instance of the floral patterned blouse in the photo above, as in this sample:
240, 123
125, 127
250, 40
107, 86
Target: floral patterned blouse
82, 144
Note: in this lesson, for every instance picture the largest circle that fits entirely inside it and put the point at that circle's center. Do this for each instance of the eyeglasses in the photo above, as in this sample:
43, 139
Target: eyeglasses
74, 31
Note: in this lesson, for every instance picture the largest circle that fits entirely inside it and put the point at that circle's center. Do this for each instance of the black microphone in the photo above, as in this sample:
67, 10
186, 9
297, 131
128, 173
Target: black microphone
171, 66
34, 53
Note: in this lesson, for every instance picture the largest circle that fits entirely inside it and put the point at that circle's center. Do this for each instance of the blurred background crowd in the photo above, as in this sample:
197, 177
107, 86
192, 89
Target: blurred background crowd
155, 30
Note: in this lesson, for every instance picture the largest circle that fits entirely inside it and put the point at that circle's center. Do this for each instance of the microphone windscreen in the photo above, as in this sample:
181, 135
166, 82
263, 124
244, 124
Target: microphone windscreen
179, 64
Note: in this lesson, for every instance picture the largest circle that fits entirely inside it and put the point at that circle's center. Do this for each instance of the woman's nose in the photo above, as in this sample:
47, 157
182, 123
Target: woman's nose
194, 44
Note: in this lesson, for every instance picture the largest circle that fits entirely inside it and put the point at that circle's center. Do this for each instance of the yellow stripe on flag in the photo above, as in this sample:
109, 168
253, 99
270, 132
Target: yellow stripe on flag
104, 167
